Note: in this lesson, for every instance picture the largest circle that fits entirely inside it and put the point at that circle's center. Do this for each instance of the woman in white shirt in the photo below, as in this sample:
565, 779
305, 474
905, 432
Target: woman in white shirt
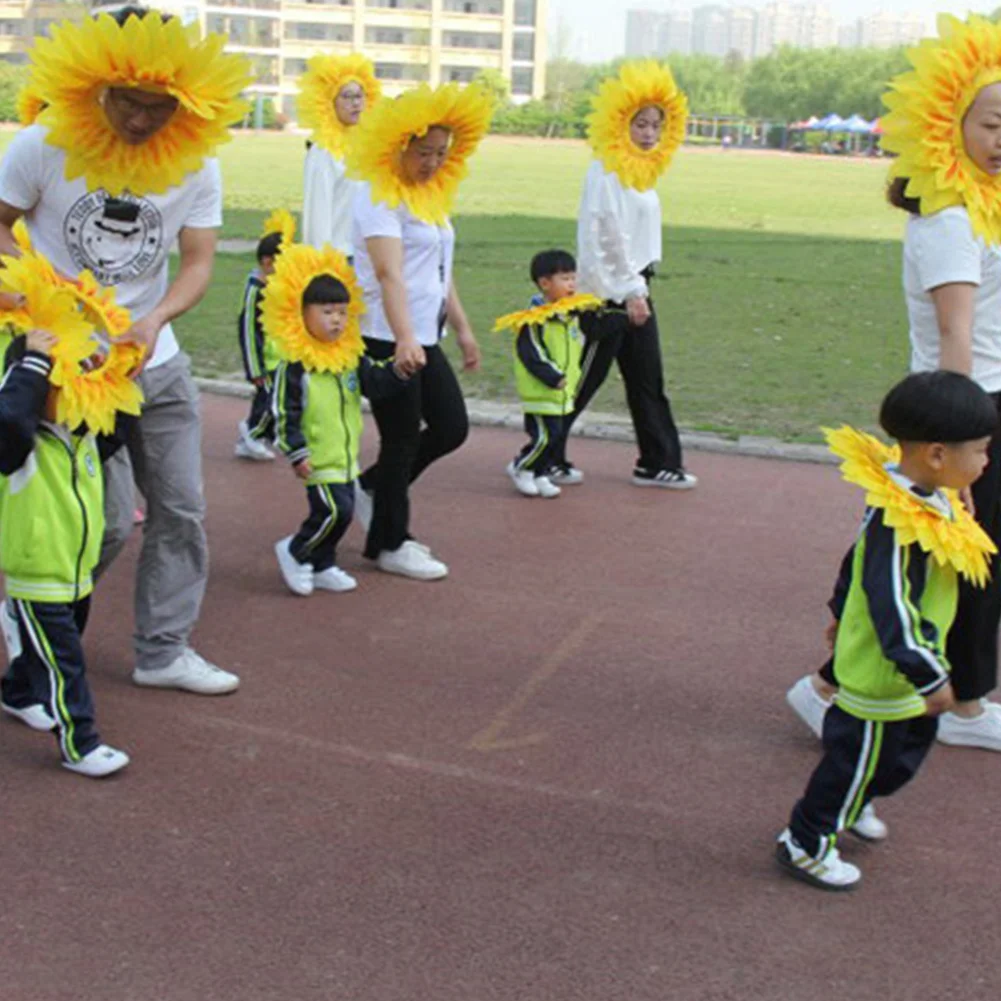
334, 92
638, 122
404, 245
952, 286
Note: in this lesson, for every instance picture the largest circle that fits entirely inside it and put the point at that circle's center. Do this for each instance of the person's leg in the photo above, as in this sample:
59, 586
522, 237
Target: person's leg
119, 508
259, 421
330, 509
905, 748
443, 409
538, 446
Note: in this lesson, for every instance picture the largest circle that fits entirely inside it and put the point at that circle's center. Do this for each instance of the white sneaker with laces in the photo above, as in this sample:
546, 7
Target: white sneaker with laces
983, 731
363, 506
36, 716
189, 672
251, 448
808, 705
523, 480
298, 576
334, 579
411, 560
567, 475
829, 872
96, 764
670, 479
868, 826
546, 487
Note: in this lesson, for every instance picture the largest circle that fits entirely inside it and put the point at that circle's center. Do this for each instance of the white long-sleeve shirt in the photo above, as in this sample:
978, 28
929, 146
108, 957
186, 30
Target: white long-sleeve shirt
618, 236
326, 201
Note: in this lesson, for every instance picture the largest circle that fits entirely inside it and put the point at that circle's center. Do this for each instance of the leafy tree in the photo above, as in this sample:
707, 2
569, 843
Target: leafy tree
12, 78
494, 83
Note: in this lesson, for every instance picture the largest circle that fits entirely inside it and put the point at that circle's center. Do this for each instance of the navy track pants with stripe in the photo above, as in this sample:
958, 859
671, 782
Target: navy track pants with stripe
546, 443
862, 759
261, 420
331, 507
50, 669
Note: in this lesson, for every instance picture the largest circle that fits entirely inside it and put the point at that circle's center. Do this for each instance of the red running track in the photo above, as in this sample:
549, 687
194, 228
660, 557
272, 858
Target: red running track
556, 775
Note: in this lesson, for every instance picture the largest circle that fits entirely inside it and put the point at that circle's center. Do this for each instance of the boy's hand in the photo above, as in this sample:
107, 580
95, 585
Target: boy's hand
941, 701
304, 469
831, 633
259, 381
41, 341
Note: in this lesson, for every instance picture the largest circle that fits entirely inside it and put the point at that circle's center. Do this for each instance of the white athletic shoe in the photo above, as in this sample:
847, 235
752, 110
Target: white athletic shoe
251, 448
363, 506
829, 872
869, 827
36, 716
102, 761
334, 579
565, 475
983, 731
808, 705
523, 480
411, 560
189, 672
546, 487
298, 576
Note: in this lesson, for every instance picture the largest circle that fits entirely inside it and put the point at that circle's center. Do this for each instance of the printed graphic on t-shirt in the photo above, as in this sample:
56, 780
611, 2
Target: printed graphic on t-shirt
118, 239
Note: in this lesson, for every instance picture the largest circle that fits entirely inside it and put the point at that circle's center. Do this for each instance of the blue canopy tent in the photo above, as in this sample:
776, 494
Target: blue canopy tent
857, 125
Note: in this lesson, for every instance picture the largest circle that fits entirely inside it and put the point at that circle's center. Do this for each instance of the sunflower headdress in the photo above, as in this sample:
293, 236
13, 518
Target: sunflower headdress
925, 124
958, 541
74, 69
280, 221
319, 87
281, 309
29, 105
385, 132
88, 366
581, 303
639, 85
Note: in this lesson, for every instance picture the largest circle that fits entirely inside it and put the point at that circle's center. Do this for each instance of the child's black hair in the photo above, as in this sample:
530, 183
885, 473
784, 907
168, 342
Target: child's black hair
269, 246
122, 14
938, 407
325, 290
551, 262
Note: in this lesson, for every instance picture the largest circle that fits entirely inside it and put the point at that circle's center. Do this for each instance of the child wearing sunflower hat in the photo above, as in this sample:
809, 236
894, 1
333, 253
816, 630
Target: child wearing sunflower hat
311, 307
894, 604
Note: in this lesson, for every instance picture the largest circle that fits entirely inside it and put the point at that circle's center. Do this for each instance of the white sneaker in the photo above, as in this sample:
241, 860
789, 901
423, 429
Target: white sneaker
869, 827
546, 487
191, 673
808, 705
671, 479
983, 731
36, 716
829, 872
103, 760
565, 475
363, 506
523, 480
251, 448
298, 576
334, 579
411, 560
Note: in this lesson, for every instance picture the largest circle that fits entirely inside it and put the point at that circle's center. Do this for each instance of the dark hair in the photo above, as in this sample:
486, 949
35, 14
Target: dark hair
551, 262
938, 407
325, 290
896, 195
122, 14
269, 246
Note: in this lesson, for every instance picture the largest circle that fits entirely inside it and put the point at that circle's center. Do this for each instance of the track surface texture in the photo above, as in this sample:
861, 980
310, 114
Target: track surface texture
556, 775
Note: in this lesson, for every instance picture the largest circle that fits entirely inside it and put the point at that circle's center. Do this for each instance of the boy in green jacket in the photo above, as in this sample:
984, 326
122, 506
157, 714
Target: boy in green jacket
51, 524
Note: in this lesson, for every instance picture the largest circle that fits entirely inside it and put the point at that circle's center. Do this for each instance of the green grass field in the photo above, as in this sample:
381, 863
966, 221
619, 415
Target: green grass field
779, 297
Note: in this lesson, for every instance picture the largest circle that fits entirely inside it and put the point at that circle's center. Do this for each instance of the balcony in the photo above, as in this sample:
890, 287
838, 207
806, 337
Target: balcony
246, 6
493, 8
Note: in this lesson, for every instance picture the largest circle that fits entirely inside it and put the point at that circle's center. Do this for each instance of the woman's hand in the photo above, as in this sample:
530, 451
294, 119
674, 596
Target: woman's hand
638, 310
470, 351
409, 357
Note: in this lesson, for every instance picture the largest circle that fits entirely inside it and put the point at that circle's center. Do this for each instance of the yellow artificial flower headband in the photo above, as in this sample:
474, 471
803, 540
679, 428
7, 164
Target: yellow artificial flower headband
73, 70
924, 126
581, 303
958, 542
85, 320
282, 311
640, 84
280, 221
319, 86
29, 106
385, 132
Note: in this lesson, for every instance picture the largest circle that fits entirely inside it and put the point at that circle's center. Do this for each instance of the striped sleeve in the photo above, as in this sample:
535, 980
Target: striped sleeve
251, 332
533, 355
288, 403
893, 579
23, 393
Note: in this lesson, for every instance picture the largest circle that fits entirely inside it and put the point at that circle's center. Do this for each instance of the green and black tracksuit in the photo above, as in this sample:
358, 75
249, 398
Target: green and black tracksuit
260, 359
895, 605
318, 419
51, 524
547, 373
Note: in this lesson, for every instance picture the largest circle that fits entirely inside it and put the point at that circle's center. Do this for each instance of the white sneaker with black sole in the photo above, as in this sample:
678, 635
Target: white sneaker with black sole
298, 576
669, 479
99, 763
363, 507
250, 448
808, 704
36, 716
565, 475
411, 560
523, 480
868, 826
188, 672
334, 579
829, 872
546, 488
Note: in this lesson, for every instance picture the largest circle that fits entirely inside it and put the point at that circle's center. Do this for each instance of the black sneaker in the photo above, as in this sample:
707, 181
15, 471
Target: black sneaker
565, 474
671, 479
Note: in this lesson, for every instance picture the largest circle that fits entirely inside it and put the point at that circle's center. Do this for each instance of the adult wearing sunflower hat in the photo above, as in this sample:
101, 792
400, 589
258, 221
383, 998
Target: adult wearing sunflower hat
116, 170
944, 124
411, 153
635, 128
334, 92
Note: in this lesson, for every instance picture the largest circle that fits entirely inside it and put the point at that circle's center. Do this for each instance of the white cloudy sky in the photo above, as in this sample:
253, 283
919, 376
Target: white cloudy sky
597, 31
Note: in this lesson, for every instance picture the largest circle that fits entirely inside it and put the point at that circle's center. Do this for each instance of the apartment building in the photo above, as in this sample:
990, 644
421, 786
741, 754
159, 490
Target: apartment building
22, 20
884, 31
804, 25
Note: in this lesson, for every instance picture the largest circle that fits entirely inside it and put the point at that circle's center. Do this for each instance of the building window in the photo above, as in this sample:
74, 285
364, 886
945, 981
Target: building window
524, 12
396, 36
521, 81
310, 31
471, 40
401, 71
458, 74
8, 28
249, 31
524, 46
295, 67
473, 6
400, 4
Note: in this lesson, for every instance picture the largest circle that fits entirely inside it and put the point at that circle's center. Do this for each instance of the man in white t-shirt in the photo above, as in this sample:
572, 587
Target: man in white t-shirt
125, 242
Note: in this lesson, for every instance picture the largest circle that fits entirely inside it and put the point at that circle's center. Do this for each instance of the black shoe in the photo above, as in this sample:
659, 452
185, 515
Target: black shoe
671, 479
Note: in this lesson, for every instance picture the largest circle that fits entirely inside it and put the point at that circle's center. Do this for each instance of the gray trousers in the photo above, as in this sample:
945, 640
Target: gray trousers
165, 461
